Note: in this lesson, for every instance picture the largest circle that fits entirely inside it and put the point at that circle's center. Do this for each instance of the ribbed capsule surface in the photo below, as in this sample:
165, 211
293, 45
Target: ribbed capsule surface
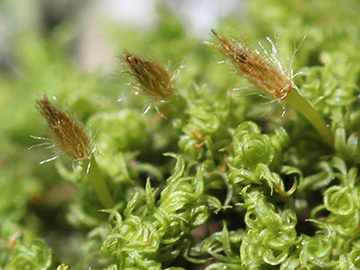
67, 133
152, 78
261, 68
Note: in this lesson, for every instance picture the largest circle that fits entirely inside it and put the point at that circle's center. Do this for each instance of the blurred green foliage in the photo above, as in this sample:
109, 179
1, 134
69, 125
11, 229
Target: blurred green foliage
225, 182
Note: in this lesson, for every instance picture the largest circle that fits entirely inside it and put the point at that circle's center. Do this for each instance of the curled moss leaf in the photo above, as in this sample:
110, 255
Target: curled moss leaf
63, 266
184, 192
253, 156
36, 255
347, 226
250, 147
131, 236
341, 201
203, 128
347, 147
334, 85
276, 234
317, 251
350, 260
164, 223
290, 263
223, 266
222, 245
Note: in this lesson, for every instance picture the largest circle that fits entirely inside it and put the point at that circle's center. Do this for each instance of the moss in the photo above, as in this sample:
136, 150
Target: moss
226, 180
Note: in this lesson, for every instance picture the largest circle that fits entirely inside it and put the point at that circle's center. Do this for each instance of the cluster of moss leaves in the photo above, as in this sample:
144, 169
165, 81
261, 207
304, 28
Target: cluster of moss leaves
225, 182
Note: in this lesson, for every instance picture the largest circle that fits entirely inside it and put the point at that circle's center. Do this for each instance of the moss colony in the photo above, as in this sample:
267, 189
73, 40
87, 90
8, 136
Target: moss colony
213, 176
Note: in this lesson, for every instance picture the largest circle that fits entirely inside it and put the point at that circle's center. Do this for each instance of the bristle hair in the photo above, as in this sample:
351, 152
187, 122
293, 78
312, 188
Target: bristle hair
67, 133
262, 69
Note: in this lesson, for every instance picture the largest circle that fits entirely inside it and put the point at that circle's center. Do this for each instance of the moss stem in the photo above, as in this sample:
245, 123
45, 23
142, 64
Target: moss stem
97, 180
303, 106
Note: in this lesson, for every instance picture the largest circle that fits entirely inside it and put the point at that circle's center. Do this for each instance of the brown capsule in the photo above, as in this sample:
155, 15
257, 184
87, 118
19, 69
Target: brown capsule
263, 69
67, 133
152, 78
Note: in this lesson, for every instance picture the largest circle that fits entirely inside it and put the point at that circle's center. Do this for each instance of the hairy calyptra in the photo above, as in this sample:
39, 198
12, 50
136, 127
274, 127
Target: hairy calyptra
262, 69
67, 133
153, 79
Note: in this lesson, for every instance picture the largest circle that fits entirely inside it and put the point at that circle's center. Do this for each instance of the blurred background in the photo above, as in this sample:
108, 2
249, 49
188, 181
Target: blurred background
89, 37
